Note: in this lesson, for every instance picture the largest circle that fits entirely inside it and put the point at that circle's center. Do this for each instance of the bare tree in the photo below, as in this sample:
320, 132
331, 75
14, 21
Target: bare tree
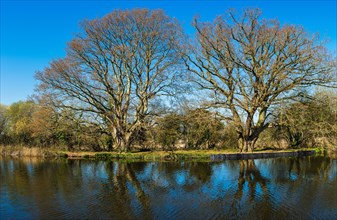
252, 64
115, 69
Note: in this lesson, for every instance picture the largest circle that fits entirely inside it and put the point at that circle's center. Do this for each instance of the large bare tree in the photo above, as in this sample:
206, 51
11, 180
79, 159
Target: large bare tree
251, 64
115, 68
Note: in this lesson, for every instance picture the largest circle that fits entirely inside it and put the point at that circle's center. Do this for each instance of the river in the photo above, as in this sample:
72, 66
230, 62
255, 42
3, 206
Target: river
278, 188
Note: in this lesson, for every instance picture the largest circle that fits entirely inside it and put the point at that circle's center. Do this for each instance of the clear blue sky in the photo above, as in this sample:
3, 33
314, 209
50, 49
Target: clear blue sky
35, 32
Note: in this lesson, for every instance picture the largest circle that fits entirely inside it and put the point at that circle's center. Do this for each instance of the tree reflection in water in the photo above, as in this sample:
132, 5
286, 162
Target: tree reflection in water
250, 180
250, 173
272, 188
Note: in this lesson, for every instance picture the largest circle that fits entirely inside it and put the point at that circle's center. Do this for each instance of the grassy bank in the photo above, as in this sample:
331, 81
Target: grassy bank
204, 155
21, 151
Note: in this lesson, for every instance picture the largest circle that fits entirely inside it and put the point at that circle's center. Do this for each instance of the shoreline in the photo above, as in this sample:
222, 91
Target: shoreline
178, 155
263, 155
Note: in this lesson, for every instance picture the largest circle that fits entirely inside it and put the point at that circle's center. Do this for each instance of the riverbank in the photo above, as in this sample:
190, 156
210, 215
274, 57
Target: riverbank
203, 155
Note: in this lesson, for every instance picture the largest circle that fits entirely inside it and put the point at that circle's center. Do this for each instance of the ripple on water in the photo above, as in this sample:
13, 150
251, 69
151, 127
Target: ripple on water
222, 190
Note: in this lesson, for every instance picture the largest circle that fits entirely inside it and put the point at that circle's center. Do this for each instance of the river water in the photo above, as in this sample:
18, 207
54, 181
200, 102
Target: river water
279, 188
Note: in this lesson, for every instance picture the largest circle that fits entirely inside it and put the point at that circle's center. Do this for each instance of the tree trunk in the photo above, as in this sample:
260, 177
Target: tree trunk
122, 140
240, 142
120, 145
248, 144
247, 139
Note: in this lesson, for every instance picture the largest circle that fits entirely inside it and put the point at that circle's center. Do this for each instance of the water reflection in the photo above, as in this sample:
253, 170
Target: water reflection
267, 188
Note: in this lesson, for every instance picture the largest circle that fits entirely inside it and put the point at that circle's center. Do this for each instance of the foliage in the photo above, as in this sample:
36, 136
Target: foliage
169, 130
32, 124
229, 137
19, 117
309, 123
3, 120
203, 129
196, 129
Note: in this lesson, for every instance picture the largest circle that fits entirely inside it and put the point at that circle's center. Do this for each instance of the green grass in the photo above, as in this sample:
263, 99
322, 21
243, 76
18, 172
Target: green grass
190, 155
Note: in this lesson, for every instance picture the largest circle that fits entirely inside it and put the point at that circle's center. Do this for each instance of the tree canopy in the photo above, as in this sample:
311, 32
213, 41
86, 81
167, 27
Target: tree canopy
115, 69
252, 64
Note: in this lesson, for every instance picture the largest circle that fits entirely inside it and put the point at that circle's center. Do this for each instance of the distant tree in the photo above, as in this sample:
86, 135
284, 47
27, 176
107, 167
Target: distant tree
308, 122
66, 128
34, 124
19, 116
195, 129
169, 130
115, 70
294, 124
230, 137
204, 130
251, 65
43, 126
3, 122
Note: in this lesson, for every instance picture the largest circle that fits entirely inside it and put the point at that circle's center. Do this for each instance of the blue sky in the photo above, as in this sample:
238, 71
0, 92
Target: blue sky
35, 32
